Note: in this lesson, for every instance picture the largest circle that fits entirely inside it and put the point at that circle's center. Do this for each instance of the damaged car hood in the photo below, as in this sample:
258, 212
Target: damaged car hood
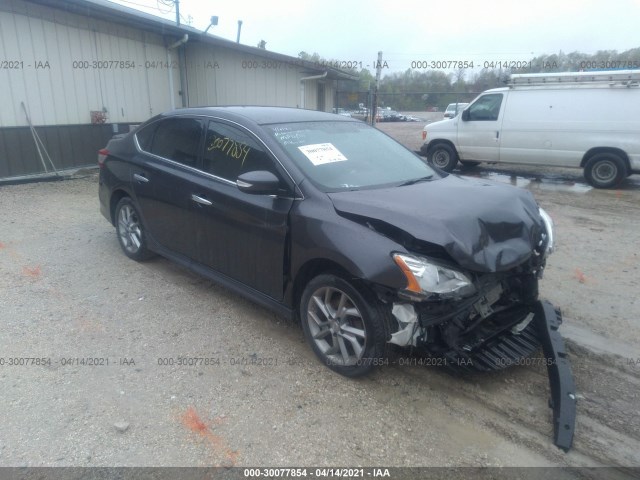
484, 226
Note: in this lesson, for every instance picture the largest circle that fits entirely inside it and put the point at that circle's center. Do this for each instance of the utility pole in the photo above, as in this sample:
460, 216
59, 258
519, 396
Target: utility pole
375, 94
177, 2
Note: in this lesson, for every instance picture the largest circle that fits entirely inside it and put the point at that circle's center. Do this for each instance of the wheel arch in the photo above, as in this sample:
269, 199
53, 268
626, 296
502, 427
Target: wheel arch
596, 150
312, 268
116, 196
438, 141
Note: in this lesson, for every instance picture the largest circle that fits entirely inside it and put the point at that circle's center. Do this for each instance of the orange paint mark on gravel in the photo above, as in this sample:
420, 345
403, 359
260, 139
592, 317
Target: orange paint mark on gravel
582, 278
12, 253
192, 421
33, 272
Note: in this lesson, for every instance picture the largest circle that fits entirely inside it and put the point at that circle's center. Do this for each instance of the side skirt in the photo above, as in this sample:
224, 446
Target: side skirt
228, 282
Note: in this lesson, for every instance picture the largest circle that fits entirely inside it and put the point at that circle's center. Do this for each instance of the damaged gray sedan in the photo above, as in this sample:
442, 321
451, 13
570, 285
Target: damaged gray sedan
323, 218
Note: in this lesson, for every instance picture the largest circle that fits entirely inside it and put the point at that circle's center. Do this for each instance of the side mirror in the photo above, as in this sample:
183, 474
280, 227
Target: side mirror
258, 182
465, 115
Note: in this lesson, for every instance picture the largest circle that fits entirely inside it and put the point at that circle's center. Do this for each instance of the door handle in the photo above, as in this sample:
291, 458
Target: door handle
140, 178
497, 134
202, 201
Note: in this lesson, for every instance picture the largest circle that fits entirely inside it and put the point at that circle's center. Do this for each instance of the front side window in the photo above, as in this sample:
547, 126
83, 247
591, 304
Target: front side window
178, 139
486, 108
229, 152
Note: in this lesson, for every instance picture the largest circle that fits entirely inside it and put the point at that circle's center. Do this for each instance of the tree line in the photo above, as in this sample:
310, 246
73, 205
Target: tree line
420, 90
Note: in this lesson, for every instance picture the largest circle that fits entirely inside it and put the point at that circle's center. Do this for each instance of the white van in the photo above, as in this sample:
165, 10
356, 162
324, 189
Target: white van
587, 120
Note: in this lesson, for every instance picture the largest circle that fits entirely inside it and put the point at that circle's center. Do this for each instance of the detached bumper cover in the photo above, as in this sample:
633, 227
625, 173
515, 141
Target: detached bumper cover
563, 399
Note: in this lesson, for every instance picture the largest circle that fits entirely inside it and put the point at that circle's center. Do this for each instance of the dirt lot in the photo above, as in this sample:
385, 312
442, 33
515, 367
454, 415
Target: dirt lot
68, 293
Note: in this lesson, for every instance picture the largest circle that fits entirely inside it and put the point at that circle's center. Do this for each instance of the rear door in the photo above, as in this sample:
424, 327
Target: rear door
243, 236
162, 177
479, 135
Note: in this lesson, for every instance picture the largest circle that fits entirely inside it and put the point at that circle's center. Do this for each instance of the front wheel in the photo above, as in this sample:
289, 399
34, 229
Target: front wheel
131, 234
605, 170
345, 326
443, 157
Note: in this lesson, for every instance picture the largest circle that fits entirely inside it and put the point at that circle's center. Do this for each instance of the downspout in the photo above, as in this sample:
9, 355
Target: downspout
304, 79
181, 72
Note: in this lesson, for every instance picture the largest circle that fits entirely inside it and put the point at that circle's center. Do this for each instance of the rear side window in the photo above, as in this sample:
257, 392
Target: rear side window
486, 108
178, 139
145, 135
229, 152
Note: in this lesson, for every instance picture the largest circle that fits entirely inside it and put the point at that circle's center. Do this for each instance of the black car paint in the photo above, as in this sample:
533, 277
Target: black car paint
314, 230
265, 246
483, 226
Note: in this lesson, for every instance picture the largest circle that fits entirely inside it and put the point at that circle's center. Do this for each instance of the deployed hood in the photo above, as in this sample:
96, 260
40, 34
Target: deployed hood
484, 226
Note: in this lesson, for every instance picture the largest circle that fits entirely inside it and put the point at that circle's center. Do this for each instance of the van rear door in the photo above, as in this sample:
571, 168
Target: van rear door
479, 129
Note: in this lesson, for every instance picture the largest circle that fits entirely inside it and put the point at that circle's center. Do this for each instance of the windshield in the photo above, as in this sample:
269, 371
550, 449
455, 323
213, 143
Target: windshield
339, 156
452, 108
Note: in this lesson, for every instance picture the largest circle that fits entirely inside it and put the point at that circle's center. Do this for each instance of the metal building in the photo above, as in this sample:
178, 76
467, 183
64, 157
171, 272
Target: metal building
82, 70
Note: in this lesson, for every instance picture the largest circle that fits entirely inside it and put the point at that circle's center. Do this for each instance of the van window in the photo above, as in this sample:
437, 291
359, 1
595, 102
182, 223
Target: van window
486, 108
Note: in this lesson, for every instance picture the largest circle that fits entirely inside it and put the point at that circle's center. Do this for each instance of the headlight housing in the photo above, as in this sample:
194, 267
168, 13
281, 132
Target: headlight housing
550, 237
426, 278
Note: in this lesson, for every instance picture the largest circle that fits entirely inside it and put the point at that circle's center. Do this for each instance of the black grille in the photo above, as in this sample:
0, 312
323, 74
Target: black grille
504, 351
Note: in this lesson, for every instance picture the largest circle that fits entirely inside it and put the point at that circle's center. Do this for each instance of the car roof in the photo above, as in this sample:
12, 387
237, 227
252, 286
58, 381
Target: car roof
261, 115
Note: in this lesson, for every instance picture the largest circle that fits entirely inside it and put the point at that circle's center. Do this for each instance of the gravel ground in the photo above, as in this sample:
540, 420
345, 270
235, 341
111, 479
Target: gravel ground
68, 293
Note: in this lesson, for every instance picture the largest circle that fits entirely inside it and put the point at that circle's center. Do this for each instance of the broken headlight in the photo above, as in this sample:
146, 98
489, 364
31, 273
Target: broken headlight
548, 226
426, 278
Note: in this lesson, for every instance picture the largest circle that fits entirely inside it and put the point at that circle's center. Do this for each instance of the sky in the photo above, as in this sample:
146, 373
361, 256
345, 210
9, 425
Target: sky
416, 31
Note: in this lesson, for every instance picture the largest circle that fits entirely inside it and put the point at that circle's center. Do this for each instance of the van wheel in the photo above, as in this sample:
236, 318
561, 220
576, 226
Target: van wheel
444, 157
605, 170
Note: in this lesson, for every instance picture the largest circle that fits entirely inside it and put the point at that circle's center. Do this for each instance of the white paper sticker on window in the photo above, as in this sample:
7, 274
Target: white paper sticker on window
322, 153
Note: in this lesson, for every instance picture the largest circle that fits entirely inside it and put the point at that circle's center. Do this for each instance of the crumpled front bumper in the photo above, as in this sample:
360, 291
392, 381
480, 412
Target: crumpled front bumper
563, 398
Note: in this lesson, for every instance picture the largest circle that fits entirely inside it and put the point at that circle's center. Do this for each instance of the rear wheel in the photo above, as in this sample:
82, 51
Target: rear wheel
605, 170
443, 157
345, 326
131, 234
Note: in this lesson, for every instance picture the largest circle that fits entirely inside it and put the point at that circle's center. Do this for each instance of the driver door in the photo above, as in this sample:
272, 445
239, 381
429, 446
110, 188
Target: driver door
241, 235
479, 134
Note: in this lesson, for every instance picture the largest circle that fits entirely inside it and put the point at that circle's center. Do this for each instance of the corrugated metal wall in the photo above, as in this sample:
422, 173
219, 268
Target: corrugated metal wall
71, 65
68, 145
219, 76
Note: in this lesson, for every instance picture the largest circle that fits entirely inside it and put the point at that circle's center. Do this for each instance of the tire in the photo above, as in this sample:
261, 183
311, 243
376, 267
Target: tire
442, 156
605, 170
346, 326
130, 231
469, 163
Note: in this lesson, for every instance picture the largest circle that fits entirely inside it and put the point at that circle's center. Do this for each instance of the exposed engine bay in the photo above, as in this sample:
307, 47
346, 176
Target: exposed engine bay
501, 325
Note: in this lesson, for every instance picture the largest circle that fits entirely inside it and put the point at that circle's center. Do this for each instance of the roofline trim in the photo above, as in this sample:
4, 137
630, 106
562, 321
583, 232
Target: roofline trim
128, 16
